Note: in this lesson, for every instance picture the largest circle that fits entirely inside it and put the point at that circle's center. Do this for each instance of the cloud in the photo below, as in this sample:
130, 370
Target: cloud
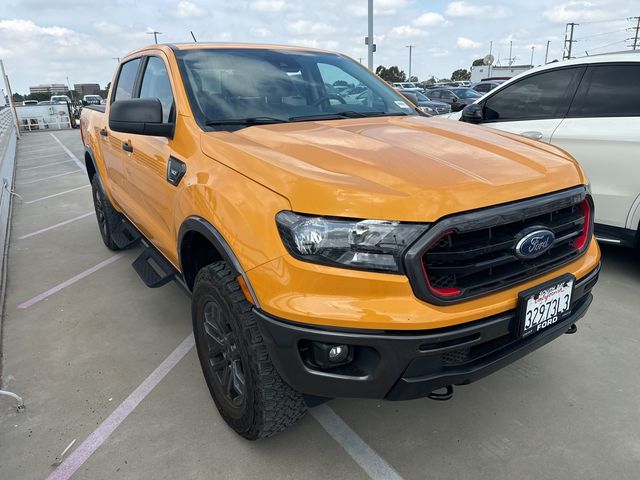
466, 43
261, 32
106, 27
312, 43
189, 10
27, 27
463, 8
407, 31
437, 52
380, 7
575, 11
305, 27
269, 5
429, 19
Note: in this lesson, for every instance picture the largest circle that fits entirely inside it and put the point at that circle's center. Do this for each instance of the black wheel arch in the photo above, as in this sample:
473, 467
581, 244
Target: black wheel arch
195, 227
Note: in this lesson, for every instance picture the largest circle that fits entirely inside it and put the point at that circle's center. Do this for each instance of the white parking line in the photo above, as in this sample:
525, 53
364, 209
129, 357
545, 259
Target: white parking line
46, 294
40, 157
49, 177
107, 427
45, 165
55, 194
80, 164
372, 463
66, 222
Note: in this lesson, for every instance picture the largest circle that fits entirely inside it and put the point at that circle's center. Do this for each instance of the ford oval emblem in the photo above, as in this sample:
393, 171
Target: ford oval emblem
534, 243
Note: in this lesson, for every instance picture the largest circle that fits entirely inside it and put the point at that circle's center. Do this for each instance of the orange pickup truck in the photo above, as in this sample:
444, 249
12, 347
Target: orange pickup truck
335, 241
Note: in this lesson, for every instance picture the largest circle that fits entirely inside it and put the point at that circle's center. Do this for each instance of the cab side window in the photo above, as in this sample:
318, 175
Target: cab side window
127, 80
544, 95
608, 91
156, 84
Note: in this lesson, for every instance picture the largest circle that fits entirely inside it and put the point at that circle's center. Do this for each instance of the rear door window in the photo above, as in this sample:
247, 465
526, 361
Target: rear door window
127, 80
539, 96
608, 91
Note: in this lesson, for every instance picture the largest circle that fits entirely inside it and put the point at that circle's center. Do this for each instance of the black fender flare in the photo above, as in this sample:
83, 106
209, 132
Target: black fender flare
203, 227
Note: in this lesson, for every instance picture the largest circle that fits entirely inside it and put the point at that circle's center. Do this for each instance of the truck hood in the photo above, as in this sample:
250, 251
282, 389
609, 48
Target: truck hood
393, 168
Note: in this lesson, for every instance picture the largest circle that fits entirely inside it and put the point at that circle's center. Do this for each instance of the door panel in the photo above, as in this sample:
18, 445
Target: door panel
146, 167
608, 149
544, 127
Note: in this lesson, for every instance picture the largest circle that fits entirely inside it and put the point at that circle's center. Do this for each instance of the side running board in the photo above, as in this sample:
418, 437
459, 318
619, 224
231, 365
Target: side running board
124, 234
154, 270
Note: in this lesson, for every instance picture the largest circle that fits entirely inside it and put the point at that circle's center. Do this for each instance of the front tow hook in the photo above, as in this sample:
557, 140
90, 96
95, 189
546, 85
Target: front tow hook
572, 329
442, 396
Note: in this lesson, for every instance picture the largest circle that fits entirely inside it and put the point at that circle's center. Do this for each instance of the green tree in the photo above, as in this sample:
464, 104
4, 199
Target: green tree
413, 79
391, 74
460, 74
430, 81
17, 97
478, 62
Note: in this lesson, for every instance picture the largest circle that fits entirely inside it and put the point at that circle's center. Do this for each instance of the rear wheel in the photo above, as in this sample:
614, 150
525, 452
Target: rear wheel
246, 387
106, 215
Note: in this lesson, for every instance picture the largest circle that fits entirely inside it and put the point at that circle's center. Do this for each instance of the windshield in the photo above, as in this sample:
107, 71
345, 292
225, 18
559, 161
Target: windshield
466, 93
250, 86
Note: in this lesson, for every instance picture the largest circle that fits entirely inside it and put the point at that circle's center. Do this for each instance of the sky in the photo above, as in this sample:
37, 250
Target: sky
48, 41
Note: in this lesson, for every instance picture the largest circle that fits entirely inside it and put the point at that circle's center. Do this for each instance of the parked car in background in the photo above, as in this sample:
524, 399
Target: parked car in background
485, 86
45, 102
425, 104
61, 99
91, 100
457, 97
408, 86
30, 102
590, 107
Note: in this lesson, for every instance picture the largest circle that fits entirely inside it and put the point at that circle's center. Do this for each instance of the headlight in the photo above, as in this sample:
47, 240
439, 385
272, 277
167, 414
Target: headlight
375, 245
428, 110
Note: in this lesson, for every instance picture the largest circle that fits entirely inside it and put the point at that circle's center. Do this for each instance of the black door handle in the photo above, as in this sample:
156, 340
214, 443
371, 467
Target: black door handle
127, 148
103, 132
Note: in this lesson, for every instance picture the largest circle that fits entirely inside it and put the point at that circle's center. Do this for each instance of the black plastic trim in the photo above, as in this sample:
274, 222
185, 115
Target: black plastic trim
626, 236
386, 374
478, 219
203, 227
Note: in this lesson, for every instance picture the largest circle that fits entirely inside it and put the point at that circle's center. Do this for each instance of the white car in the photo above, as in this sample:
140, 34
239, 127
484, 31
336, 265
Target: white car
590, 107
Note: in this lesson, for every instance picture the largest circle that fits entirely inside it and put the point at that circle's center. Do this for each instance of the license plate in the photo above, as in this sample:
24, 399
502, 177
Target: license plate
544, 306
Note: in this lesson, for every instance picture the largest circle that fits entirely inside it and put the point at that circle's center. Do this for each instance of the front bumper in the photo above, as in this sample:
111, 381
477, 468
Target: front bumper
401, 365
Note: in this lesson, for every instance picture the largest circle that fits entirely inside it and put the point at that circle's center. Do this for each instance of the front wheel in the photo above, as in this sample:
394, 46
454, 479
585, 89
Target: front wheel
245, 385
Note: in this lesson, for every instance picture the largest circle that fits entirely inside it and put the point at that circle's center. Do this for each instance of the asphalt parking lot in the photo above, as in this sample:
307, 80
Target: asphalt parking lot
84, 338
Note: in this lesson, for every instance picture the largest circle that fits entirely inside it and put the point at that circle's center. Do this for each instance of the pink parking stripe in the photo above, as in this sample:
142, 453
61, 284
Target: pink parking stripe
71, 281
107, 427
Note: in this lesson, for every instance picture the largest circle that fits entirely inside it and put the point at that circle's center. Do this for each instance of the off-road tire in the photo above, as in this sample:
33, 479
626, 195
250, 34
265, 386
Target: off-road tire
269, 405
106, 215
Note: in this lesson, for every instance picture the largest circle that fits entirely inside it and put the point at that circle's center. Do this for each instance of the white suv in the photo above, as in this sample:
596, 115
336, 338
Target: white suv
590, 107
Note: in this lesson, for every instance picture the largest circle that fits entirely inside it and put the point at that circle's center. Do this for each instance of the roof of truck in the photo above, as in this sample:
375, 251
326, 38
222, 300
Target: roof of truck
223, 45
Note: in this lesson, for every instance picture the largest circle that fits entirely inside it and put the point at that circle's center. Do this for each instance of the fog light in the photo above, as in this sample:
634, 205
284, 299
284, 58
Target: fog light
338, 354
328, 355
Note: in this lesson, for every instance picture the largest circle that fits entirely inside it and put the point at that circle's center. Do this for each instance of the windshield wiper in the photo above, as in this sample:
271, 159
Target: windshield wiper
346, 114
246, 121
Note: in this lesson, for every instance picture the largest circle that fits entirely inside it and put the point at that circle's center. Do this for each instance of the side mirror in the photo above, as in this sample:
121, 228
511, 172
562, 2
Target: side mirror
472, 113
141, 116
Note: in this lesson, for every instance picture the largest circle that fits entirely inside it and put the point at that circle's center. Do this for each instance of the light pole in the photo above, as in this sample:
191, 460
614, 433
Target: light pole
155, 35
70, 91
533, 48
370, 45
546, 54
410, 47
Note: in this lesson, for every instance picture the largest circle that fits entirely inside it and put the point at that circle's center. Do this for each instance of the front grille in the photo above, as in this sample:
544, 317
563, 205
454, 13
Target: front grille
462, 263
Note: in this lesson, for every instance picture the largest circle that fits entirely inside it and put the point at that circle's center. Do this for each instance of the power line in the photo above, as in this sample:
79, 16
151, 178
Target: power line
600, 34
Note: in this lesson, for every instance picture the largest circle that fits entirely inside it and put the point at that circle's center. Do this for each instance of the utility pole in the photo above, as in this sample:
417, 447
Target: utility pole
155, 35
410, 47
370, 45
636, 38
490, 52
546, 55
70, 91
510, 50
568, 42
533, 49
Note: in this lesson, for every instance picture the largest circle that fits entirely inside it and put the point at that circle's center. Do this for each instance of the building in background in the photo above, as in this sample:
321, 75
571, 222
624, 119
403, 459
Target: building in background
86, 89
49, 88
